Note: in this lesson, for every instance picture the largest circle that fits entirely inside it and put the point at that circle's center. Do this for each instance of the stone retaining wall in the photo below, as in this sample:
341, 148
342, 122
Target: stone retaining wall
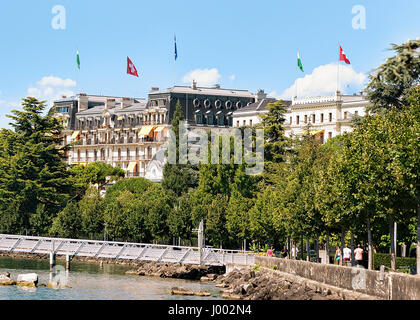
387, 285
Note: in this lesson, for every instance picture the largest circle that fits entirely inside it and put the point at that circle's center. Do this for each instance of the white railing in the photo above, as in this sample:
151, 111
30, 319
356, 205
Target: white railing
123, 250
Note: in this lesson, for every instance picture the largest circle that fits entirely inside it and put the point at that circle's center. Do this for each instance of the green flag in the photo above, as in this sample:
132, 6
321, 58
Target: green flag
78, 59
299, 62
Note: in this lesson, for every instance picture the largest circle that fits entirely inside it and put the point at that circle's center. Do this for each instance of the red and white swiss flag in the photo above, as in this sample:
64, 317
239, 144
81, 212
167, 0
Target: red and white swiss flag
343, 56
131, 69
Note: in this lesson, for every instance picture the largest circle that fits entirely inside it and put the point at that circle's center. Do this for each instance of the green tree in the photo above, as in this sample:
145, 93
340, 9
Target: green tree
31, 165
94, 173
180, 219
136, 186
117, 213
68, 222
391, 83
179, 178
157, 205
275, 140
91, 208
40, 221
216, 220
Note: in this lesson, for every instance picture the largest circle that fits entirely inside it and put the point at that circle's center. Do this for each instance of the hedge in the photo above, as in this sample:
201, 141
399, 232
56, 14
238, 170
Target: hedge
385, 259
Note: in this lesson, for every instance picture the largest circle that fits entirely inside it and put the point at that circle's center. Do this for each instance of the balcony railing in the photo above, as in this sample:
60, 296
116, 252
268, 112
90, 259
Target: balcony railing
131, 140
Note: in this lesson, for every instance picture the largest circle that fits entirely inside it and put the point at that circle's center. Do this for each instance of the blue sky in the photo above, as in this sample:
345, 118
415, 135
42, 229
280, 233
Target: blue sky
238, 44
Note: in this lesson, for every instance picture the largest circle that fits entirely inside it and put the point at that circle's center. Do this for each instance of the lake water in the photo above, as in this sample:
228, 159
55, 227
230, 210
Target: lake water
89, 281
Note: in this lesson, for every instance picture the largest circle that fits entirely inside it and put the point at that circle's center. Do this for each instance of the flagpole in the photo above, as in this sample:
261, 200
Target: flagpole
77, 74
296, 81
175, 60
338, 68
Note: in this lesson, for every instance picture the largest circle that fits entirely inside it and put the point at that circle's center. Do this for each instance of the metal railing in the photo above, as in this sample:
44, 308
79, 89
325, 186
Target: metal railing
123, 250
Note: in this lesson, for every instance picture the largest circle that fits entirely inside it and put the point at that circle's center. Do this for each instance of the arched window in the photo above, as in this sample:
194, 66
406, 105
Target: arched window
221, 119
210, 119
199, 118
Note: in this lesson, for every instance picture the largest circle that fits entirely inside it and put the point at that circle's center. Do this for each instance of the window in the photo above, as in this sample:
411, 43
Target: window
297, 119
199, 118
313, 118
329, 135
221, 120
345, 115
330, 116
356, 113
237, 123
290, 120
250, 122
306, 119
244, 123
322, 117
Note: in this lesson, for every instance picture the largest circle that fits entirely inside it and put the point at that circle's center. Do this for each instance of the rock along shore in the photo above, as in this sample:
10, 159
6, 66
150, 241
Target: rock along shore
267, 284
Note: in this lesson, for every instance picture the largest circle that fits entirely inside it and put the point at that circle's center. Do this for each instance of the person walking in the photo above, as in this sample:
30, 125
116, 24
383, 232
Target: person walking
295, 251
346, 255
284, 252
358, 254
337, 256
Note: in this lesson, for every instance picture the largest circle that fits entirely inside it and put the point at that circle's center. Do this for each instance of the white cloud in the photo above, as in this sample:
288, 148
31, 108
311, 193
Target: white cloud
56, 82
323, 80
34, 92
232, 77
52, 88
274, 94
203, 77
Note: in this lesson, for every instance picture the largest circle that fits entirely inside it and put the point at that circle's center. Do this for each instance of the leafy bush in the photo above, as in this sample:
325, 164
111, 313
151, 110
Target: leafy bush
275, 267
256, 267
385, 259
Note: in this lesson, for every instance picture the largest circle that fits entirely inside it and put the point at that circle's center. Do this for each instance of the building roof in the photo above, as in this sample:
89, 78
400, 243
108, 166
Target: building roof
95, 98
346, 99
216, 91
258, 107
135, 107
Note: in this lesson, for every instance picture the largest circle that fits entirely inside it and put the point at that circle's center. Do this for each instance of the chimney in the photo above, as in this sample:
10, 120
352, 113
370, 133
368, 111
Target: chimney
126, 102
260, 95
154, 89
338, 95
194, 85
217, 86
63, 97
110, 103
83, 102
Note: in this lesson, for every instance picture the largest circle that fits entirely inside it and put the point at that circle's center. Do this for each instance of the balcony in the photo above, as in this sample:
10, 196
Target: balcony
121, 141
132, 158
134, 174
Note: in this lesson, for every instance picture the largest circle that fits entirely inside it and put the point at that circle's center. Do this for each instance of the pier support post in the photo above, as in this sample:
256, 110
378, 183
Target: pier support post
52, 261
67, 262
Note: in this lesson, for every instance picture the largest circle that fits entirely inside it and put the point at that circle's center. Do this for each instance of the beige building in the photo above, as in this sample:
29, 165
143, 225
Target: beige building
119, 131
325, 116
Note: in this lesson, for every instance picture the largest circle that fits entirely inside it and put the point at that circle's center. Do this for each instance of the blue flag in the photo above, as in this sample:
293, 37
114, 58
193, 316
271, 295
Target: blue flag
176, 53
